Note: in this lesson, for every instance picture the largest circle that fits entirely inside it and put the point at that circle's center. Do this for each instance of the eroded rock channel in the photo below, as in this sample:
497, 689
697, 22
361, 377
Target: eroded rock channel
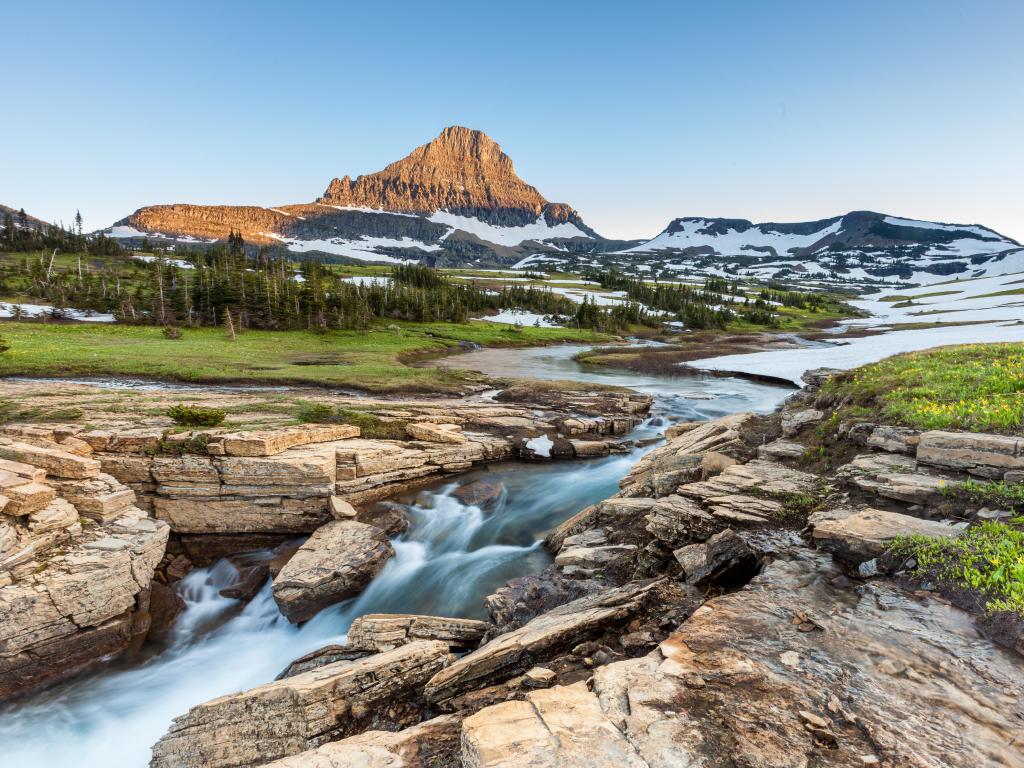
706, 600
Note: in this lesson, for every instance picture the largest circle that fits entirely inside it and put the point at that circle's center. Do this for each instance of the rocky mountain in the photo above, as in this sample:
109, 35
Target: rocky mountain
858, 247
455, 200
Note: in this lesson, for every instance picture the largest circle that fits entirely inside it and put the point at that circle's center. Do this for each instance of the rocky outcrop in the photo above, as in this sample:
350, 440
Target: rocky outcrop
787, 671
383, 631
518, 650
335, 563
896, 477
299, 713
427, 745
990, 456
73, 589
563, 726
435, 433
863, 535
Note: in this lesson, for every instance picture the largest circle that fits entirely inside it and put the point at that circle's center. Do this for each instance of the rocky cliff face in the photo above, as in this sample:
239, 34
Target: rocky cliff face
461, 171
460, 184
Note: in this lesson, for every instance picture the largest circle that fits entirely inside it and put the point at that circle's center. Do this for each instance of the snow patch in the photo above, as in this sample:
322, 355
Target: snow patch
541, 446
519, 317
539, 230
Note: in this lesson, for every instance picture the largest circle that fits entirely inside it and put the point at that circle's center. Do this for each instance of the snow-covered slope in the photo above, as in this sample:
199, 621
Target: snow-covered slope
986, 309
859, 248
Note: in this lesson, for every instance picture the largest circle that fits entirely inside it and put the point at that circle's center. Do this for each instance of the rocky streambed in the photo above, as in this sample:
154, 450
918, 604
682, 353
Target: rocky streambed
204, 626
713, 600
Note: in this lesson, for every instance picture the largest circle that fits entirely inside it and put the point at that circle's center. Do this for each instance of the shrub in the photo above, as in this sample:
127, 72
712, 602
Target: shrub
315, 413
196, 415
370, 426
170, 332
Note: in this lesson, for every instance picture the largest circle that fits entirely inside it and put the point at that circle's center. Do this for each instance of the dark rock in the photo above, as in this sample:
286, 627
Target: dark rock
480, 493
164, 606
251, 579
725, 559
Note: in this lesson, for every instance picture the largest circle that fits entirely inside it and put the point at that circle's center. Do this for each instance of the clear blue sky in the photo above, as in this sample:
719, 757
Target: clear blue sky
634, 113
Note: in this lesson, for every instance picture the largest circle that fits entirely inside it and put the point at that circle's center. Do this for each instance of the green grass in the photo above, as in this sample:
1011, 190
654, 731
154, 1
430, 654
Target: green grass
919, 296
1007, 292
370, 426
991, 492
987, 559
371, 360
977, 387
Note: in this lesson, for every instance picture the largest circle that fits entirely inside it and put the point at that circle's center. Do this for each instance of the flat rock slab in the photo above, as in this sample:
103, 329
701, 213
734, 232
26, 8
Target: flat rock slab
980, 454
759, 476
895, 477
435, 433
889, 677
295, 714
516, 651
562, 726
384, 631
864, 535
273, 441
55, 461
421, 746
335, 563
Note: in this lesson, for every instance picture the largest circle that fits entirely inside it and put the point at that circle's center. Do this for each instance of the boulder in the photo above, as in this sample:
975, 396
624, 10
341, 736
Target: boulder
781, 449
864, 534
515, 652
594, 557
27, 497
384, 631
480, 493
589, 448
296, 714
335, 563
984, 455
341, 509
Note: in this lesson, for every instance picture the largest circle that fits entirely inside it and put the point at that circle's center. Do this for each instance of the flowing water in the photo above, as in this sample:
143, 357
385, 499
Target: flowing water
451, 557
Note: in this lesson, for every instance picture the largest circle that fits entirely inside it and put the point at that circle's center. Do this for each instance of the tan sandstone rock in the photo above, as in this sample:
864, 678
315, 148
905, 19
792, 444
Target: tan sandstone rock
384, 631
297, 713
336, 562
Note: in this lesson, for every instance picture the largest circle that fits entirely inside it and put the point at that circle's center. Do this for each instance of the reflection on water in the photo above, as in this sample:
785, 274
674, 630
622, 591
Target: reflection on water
452, 556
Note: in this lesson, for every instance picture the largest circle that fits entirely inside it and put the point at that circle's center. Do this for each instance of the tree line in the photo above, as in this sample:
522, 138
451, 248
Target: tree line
223, 285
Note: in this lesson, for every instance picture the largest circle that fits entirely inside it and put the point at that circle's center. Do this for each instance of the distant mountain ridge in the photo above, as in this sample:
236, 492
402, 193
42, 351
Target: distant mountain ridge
860, 245
457, 201
454, 200
20, 218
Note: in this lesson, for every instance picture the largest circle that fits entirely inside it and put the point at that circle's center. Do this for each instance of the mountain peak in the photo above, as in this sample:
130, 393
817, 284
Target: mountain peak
462, 171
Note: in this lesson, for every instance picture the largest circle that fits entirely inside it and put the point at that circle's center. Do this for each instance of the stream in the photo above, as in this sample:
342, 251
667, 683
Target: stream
451, 557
